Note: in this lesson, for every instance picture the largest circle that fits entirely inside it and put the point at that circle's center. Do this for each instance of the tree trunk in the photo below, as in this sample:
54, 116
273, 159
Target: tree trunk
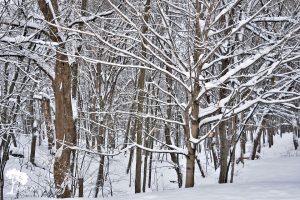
295, 139
251, 135
168, 131
234, 136
190, 168
3, 160
145, 171
80, 183
190, 158
5, 144
100, 177
127, 132
140, 101
131, 152
243, 141
223, 132
33, 130
215, 156
138, 165
33, 148
64, 125
93, 127
264, 137
270, 138
48, 121
257, 139
223, 153
194, 120
1, 183
200, 168
150, 165
298, 129
232, 166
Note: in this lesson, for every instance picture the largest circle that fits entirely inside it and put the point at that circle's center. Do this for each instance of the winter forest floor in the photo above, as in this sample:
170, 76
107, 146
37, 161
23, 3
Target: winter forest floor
275, 175
268, 179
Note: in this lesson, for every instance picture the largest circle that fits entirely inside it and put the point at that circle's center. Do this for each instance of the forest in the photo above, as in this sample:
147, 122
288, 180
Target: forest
97, 92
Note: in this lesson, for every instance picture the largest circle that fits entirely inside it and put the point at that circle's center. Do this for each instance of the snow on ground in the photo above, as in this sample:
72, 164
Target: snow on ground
276, 175
268, 179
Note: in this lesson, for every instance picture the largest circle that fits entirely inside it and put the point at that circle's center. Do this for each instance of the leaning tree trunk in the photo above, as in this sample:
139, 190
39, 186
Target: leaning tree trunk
62, 86
258, 136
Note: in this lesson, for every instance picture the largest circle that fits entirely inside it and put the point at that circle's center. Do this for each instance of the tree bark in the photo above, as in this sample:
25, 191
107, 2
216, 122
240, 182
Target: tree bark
4, 149
190, 168
258, 136
270, 138
200, 168
140, 101
234, 136
33, 148
295, 139
145, 171
223, 134
194, 120
1, 184
243, 142
80, 183
224, 144
64, 123
100, 176
48, 121
150, 165
33, 130
214, 155
223, 153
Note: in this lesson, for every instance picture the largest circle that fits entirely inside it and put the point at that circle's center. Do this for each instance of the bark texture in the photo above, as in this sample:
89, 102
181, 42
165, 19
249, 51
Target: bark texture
140, 100
64, 123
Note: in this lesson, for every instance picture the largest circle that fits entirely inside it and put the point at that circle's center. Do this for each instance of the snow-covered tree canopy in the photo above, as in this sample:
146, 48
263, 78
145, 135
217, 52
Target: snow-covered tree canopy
164, 76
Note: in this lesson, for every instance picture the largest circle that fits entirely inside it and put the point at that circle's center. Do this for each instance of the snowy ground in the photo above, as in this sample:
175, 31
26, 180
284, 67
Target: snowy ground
276, 175
267, 179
